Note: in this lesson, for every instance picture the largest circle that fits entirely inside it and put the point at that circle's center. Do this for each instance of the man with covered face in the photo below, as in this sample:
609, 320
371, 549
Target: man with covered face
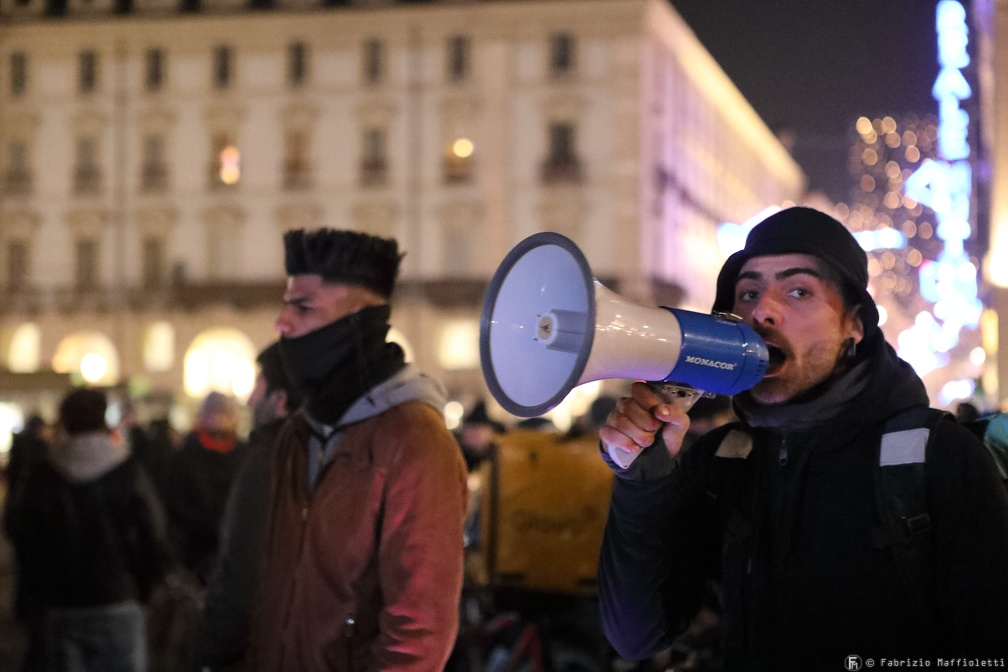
363, 566
809, 573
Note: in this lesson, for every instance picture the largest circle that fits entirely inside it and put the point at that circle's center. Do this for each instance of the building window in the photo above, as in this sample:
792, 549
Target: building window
18, 73
221, 359
87, 71
297, 64
458, 58
159, 346
296, 167
87, 175
154, 70
18, 180
374, 61
154, 173
459, 344
561, 54
25, 352
374, 161
562, 163
225, 166
17, 263
222, 68
89, 356
87, 263
153, 262
458, 161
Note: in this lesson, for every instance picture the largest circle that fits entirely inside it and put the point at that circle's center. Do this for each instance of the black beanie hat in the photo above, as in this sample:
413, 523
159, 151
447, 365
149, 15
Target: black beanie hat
801, 230
347, 257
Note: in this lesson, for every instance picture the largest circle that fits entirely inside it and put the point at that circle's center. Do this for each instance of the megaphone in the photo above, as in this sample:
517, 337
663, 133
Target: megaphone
548, 326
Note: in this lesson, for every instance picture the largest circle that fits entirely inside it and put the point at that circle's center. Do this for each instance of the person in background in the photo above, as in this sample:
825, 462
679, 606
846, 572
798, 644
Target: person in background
93, 542
809, 575
222, 635
966, 411
197, 479
197, 483
151, 450
363, 562
477, 434
28, 449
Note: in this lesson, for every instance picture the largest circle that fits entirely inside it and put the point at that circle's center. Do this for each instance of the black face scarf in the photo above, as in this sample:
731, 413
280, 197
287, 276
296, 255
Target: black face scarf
336, 364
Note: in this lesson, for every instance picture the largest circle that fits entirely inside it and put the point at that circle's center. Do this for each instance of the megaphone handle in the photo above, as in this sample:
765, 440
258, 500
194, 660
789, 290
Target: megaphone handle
683, 396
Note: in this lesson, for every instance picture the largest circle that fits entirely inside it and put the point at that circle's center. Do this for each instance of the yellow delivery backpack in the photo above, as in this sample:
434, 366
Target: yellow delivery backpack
543, 503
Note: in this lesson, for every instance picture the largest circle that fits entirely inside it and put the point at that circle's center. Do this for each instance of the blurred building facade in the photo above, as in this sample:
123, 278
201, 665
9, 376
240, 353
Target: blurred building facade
153, 152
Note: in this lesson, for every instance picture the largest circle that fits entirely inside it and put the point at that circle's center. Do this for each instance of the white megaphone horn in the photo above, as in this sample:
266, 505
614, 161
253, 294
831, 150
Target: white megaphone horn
548, 326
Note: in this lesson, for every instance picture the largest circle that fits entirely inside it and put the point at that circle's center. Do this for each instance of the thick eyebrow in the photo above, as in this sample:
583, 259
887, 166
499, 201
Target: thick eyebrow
296, 300
783, 275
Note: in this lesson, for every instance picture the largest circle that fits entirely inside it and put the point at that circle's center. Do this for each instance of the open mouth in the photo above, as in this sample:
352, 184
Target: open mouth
776, 360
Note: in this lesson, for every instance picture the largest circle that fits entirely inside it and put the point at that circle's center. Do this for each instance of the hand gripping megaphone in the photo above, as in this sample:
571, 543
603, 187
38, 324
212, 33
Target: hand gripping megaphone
548, 326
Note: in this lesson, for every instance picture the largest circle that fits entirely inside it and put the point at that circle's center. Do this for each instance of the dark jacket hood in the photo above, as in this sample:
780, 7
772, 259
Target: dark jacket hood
892, 386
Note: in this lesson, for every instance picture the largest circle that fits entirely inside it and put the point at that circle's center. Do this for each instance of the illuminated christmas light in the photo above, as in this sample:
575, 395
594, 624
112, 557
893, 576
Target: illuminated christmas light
955, 390
945, 186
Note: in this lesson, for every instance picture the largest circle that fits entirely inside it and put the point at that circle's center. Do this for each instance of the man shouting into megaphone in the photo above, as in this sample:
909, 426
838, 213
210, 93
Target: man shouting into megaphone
814, 564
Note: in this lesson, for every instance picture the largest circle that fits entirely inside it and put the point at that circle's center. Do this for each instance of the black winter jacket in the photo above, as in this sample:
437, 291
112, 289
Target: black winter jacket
198, 481
791, 532
222, 634
90, 528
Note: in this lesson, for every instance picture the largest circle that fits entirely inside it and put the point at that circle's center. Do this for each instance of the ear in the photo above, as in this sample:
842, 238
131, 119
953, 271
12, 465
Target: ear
281, 402
855, 327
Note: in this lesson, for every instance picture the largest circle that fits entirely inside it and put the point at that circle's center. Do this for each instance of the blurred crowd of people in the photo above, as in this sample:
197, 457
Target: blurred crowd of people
117, 529
140, 536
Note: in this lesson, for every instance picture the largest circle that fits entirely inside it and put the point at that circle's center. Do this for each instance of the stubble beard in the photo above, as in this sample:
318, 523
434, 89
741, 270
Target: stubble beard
818, 362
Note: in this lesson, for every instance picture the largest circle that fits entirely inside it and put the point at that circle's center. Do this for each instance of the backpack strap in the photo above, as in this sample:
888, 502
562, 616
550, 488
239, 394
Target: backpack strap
736, 444
900, 488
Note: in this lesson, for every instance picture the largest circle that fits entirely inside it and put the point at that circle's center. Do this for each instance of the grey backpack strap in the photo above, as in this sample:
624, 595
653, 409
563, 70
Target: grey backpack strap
736, 444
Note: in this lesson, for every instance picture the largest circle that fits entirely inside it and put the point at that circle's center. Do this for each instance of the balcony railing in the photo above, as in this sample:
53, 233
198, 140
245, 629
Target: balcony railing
154, 178
566, 169
296, 177
31, 299
457, 170
374, 172
87, 180
18, 183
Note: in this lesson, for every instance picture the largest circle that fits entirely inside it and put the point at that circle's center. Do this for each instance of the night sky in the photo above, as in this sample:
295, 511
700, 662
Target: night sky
810, 68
